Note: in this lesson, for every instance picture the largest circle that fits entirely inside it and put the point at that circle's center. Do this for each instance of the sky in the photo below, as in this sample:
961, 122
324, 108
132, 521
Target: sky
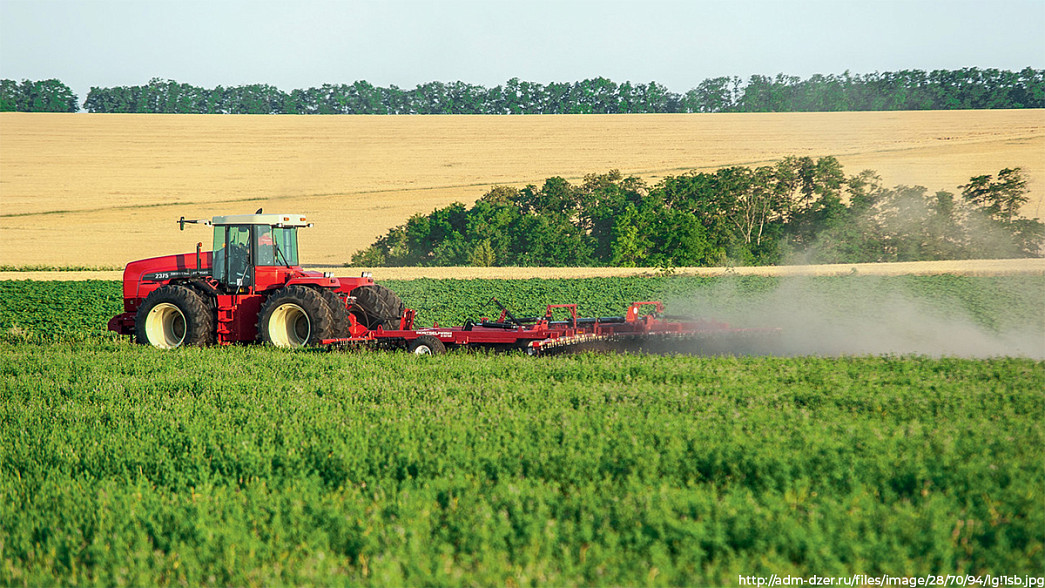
304, 43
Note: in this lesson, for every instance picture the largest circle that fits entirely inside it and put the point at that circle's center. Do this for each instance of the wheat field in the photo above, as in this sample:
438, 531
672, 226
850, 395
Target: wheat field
103, 189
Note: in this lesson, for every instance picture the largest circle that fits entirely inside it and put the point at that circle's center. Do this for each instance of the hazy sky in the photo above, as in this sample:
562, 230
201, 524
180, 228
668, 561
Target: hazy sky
302, 43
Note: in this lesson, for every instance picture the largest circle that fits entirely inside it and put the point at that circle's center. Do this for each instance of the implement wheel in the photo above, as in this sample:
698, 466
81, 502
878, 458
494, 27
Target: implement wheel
174, 316
426, 345
377, 306
295, 316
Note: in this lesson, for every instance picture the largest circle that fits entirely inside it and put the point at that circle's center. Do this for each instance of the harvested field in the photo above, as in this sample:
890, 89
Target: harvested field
86, 189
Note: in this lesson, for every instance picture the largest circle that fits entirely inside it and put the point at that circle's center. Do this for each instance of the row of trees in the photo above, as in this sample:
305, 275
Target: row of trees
42, 96
969, 88
799, 210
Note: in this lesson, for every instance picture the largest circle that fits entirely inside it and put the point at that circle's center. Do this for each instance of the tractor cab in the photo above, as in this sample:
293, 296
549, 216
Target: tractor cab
255, 251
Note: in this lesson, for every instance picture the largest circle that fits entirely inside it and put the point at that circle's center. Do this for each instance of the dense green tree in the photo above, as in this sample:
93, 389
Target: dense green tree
1001, 198
483, 254
9, 96
630, 243
997, 203
679, 239
713, 95
37, 96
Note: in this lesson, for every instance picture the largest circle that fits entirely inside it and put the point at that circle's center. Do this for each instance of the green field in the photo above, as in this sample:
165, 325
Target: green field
995, 306
249, 465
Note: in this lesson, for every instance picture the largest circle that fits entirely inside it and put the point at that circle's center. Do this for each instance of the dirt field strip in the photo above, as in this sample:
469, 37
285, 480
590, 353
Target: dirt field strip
974, 267
83, 189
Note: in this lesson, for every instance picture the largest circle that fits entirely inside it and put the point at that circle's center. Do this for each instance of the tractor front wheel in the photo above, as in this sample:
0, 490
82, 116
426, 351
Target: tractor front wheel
174, 316
296, 316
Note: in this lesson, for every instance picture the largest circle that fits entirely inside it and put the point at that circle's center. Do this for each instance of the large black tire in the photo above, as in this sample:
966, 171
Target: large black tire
377, 306
295, 316
338, 313
174, 316
426, 345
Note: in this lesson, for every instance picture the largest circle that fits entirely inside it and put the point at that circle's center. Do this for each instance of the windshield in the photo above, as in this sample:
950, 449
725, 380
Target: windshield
276, 245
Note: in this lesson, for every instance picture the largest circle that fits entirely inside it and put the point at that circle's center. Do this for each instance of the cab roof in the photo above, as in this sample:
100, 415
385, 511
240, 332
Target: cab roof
273, 220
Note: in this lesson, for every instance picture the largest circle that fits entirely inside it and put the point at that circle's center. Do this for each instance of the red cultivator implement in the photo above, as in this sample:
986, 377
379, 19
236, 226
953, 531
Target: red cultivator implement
633, 331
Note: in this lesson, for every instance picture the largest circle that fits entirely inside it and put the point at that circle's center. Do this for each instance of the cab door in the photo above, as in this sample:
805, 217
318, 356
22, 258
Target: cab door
233, 256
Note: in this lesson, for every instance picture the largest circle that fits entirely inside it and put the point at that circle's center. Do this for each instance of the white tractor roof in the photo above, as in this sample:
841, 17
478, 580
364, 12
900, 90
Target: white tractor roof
274, 220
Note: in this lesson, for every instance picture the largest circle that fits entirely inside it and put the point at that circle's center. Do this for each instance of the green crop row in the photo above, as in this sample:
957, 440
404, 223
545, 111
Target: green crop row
52, 310
121, 464
57, 310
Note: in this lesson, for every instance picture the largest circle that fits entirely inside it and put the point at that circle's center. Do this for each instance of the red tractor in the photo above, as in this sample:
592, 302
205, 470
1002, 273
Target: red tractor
249, 288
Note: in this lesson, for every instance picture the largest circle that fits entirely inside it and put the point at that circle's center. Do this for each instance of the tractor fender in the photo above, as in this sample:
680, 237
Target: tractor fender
317, 281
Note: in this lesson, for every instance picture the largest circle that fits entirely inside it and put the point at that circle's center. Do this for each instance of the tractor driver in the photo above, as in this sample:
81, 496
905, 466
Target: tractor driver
239, 254
265, 250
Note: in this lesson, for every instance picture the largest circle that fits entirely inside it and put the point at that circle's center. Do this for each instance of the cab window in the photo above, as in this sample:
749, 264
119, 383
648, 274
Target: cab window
286, 239
266, 253
276, 245
232, 254
238, 253
218, 264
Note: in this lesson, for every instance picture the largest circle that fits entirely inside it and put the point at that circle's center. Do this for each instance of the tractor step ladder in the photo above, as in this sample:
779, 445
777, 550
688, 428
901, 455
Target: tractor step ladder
224, 323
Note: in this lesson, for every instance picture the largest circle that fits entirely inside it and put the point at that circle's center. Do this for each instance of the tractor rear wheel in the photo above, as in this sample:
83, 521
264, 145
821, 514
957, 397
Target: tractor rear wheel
426, 345
295, 316
338, 313
174, 316
377, 306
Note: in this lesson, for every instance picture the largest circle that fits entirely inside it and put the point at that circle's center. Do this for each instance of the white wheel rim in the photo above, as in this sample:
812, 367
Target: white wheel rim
422, 350
165, 326
289, 326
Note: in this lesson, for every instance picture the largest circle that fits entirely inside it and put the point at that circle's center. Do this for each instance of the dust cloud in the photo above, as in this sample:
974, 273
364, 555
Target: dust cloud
862, 315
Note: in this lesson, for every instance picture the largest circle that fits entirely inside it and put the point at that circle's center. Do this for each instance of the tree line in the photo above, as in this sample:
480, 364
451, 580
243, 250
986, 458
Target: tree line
39, 96
967, 88
799, 210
